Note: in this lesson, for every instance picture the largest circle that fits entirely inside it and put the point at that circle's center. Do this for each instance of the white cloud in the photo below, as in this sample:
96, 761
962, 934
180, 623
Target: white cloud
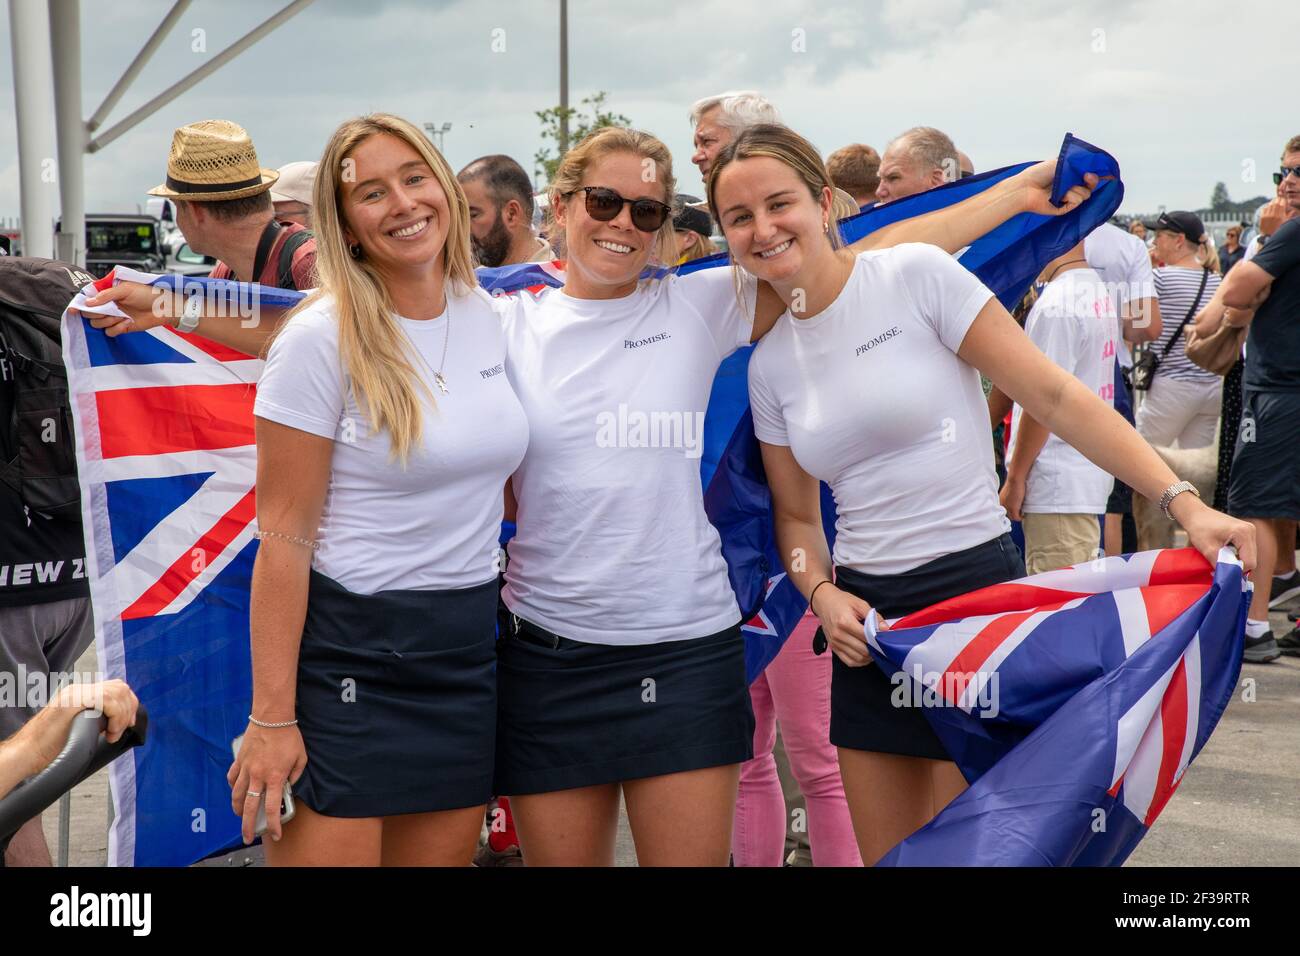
1179, 92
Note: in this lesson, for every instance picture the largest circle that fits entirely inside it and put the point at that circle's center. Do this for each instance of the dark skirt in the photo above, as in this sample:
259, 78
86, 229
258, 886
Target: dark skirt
396, 699
572, 714
863, 715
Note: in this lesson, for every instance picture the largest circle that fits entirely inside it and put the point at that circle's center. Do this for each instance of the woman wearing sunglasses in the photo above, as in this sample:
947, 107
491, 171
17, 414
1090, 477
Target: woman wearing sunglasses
918, 513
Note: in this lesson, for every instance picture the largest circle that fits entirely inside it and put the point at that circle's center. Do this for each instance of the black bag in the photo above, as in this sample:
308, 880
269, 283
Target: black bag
1145, 365
38, 457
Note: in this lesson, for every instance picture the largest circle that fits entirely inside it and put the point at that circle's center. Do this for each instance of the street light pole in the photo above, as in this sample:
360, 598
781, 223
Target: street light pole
437, 134
564, 76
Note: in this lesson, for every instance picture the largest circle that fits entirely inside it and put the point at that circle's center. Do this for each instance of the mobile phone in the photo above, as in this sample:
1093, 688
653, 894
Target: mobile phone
286, 798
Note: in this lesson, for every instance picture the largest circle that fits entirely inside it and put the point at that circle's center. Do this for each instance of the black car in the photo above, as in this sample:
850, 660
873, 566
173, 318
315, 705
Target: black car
126, 240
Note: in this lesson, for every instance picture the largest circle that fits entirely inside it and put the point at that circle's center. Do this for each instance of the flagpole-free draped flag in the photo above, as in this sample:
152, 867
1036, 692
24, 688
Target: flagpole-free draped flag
167, 464
1072, 700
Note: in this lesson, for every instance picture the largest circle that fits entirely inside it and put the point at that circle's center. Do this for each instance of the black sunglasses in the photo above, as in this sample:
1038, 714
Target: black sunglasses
1286, 171
604, 205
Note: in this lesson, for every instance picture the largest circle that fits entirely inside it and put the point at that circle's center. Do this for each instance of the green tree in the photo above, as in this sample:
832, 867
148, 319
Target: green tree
1220, 199
597, 115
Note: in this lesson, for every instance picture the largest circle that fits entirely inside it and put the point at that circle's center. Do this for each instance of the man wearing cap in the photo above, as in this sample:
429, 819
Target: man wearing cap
1265, 481
693, 227
500, 197
224, 208
291, 194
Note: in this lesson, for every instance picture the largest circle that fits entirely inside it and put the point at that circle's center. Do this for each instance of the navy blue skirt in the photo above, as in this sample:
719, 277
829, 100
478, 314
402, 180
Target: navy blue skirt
572, 714
396, 699
863, 715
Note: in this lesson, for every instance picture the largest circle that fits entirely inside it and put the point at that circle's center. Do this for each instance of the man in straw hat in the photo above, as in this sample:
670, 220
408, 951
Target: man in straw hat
224, 208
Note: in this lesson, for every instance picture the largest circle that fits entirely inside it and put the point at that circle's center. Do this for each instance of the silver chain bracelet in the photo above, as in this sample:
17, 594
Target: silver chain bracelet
271, 726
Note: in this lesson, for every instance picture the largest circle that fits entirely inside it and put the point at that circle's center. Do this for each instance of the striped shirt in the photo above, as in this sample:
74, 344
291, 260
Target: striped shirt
1176, 288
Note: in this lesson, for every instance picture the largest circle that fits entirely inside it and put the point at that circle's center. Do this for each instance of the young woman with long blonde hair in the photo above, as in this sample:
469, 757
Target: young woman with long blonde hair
385, 430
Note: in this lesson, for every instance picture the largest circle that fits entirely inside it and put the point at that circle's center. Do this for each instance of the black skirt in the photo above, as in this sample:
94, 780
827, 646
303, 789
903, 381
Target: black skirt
573, 714
396, 699
863, 715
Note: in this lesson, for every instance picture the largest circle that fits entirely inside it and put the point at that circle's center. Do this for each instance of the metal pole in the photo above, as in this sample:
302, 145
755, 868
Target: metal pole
141, 58
65, 37
564, 76
176, 89
29, 34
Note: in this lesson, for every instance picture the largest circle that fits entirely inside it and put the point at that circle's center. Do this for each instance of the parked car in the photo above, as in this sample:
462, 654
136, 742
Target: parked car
122, 239
184, 260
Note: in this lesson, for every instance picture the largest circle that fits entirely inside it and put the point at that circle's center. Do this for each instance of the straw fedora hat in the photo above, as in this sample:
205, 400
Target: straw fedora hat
213, 160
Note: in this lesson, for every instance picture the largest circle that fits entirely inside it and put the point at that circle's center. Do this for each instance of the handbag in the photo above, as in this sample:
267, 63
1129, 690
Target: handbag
1219, 351
1145, 365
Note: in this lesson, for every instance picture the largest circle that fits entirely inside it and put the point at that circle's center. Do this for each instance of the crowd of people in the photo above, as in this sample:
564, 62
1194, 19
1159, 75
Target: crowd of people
391, 446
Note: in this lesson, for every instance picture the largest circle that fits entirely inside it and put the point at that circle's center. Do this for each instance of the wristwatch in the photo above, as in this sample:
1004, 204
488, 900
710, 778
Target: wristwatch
1172, 492
192, 313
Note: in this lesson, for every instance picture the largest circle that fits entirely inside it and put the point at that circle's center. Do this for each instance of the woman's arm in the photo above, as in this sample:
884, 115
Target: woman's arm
245, 326
293, 469
1000, 349
796, 513
956, 226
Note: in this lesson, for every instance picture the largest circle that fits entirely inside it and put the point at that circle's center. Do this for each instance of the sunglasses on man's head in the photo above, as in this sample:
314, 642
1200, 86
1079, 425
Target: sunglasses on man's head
1284, 173
604, 205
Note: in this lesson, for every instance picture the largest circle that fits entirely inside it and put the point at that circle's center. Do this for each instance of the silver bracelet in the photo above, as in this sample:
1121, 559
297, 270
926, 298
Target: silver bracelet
1172, 492
262, 535
261, 723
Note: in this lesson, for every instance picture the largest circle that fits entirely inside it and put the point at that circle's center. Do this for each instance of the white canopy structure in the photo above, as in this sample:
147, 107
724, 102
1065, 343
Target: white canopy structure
45, 36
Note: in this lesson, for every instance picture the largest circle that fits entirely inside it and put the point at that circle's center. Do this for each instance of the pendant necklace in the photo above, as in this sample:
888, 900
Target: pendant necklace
437, 376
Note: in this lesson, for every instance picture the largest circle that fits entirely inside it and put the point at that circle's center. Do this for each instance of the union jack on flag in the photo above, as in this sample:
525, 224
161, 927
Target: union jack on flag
167, 463
1073, 700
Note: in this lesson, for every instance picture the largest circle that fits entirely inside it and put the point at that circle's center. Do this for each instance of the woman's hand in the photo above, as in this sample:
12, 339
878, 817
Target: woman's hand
1037, 184
842, 615
1209, 530
146, 307
267, 758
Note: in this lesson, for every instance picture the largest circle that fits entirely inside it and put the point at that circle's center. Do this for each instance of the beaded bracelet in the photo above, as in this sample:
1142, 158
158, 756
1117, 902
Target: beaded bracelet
314, 545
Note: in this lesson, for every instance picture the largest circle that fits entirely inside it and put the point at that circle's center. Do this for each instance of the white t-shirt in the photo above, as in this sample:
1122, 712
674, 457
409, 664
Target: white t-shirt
434, 524
1074, 324
1124, 263
613, 545
871, 398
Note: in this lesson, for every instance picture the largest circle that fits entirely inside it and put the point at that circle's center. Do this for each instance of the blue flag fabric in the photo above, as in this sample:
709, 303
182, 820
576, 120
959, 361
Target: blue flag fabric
1073, 701
170, 515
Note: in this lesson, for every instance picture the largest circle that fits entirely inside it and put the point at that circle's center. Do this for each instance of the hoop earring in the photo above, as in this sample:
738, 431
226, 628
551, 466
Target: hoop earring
354, 250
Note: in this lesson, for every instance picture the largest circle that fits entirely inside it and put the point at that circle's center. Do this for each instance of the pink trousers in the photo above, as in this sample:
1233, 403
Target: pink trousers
795, 690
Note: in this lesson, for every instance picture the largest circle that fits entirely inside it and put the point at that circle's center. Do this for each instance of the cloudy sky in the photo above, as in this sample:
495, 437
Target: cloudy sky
1178, 91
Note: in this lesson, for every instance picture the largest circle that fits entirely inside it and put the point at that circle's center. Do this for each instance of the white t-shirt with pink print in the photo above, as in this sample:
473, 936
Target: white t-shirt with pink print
1075, 324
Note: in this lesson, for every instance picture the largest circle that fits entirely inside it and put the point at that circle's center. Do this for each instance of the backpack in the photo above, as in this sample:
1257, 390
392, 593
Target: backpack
38, 457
